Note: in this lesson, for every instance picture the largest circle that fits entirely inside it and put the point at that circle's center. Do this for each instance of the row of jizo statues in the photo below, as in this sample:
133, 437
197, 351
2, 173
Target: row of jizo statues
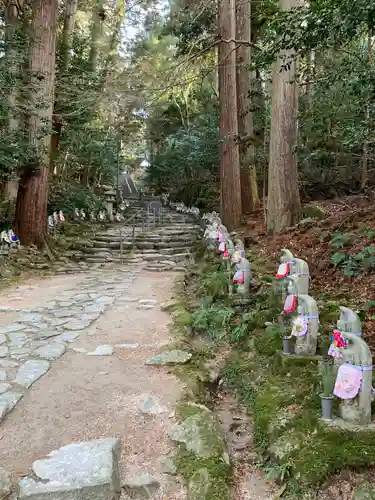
8, 239
57, 218
350, 355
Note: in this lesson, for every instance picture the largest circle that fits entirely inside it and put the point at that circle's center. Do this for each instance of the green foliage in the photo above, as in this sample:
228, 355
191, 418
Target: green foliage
67, 196
283, 399
213, 283
270, 341
355, 263
339, 240
187, 165
212, 321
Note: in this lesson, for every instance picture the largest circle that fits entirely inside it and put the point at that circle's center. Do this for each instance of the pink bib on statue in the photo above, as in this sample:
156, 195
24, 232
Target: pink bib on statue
222, 247
226, 255
220, 237
290, 303
239, 277
348, 382
283, 271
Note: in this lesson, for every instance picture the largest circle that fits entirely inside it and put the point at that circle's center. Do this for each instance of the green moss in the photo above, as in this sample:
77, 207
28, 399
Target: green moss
314, 211
219, 473
269, 341
286, 408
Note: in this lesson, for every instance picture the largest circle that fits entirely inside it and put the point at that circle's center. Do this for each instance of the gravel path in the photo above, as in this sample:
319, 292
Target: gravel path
83, 397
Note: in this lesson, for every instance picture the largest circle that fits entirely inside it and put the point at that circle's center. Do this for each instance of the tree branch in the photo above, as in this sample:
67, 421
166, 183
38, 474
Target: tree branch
239, 42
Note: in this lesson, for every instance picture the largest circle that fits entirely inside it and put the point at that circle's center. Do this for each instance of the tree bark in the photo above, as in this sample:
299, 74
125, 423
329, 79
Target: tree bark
364, 158
230, 182
245, 78
11, 18
32, 197
64, 60
98, 17
283, 204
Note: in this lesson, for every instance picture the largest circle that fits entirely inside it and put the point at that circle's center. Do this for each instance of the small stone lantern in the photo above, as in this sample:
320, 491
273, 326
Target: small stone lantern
110, 198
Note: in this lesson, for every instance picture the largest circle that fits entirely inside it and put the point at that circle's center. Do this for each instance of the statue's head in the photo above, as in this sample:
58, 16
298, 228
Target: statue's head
236, 257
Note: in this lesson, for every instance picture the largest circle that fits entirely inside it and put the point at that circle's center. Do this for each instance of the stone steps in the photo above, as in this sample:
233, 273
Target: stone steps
162, 247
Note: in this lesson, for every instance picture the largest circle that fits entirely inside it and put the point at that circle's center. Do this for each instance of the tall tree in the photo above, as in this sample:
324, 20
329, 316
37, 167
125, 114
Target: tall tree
13, 57
230, 182
31, 207
63, 65
245, 79
283, 204
365, 148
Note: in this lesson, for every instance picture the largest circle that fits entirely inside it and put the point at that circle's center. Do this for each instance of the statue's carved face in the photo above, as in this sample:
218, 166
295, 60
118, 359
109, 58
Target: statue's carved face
236, 257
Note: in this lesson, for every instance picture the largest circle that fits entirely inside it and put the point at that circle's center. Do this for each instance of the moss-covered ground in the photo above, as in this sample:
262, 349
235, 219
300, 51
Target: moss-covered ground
280, 392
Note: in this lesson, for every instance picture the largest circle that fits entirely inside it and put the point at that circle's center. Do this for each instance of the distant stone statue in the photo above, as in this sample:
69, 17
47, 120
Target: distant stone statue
51, 223
354, 378
239, 247
242, 276
305, 326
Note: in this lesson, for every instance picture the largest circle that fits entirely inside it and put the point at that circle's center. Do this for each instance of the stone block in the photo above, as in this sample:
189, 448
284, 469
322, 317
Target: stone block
79, 471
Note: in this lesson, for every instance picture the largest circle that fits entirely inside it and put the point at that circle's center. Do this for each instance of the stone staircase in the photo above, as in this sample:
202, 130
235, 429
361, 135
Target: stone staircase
162, 242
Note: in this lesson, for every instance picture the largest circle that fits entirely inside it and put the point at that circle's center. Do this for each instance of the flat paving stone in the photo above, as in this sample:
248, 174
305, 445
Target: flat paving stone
51, 351
173, 357
17, 339
20, 352
4, 351
8, 401
102, 350
67, 337
65, 313
47, 334
8, 363
31, 318
79, 471
4, 387
14, 327
30, 371
77, 325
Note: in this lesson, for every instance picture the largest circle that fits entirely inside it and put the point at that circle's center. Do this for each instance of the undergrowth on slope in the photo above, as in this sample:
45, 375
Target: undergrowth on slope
206, 478
281, 393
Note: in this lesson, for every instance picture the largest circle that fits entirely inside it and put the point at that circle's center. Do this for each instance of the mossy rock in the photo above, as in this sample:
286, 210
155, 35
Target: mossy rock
200, 434
199, 485
268, 401
202, 486
182, 317
286, 445
283, 419
314, 211
365, 491
269, 341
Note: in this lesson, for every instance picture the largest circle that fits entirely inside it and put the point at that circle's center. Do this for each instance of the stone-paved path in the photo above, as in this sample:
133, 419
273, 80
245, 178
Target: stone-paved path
51, 334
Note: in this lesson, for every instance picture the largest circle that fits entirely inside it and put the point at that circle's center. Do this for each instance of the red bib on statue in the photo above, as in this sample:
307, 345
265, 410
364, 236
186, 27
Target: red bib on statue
290, 303
283, 271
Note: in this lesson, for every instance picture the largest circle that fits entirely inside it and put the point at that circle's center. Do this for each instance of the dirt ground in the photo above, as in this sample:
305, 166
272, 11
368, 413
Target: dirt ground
89, 397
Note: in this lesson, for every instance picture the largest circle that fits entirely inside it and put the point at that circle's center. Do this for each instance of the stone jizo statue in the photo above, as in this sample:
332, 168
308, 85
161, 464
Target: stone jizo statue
242, 276
305, 326
354, 381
